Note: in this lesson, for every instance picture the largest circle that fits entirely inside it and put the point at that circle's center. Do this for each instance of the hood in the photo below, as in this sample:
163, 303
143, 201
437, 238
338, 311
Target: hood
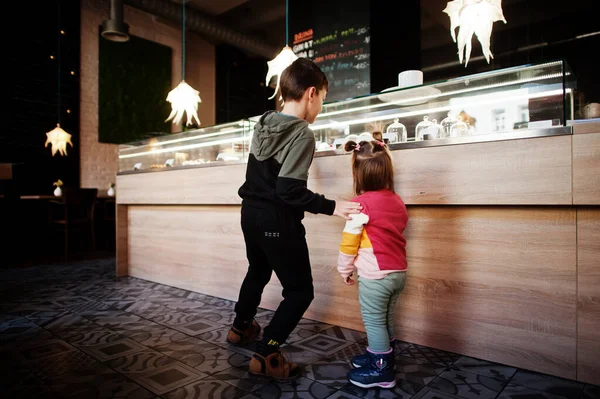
273, 132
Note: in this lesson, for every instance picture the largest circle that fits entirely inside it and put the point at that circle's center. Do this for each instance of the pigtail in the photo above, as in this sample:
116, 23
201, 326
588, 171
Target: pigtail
350, 146
378, 143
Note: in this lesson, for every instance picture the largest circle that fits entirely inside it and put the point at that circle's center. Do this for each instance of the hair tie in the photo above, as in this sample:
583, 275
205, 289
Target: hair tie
381, 143
357, 148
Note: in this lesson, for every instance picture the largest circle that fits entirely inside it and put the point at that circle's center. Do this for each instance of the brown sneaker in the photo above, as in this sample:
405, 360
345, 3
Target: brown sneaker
243, 337
275, 366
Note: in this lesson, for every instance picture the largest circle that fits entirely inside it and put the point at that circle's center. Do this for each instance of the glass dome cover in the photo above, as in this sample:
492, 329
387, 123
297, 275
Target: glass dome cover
396, 132
447, 123
427, 130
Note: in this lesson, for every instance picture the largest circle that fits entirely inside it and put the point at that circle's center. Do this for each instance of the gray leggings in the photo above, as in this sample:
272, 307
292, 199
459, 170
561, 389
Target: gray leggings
377, 302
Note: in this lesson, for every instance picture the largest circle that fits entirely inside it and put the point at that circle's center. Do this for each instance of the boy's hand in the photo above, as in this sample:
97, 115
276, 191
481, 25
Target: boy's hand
348, 280
345, 208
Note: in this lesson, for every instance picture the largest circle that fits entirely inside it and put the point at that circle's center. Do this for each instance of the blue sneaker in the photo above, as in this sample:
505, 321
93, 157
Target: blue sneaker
379, 372
363, 360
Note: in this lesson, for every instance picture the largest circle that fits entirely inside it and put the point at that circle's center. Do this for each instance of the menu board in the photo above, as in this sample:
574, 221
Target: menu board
335, 35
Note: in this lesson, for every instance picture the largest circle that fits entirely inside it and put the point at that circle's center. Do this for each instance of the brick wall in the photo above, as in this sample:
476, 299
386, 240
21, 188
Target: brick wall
99, 163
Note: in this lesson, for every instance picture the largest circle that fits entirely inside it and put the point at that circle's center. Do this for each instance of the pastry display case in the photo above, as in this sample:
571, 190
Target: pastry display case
214, 145
499, 104
518, 102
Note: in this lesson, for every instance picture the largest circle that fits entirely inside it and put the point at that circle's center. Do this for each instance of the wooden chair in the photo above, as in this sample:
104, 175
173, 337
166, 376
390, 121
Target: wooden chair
75, 211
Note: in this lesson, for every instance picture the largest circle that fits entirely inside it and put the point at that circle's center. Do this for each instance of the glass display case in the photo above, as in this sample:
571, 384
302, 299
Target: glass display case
214, 145
517, 102
496, 103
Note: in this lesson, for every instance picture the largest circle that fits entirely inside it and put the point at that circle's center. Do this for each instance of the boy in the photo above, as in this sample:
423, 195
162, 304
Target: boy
275, 197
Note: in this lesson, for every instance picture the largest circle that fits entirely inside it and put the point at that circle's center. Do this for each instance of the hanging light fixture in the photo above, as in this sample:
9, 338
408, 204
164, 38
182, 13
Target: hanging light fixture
115, 29
283, 59
473, 17
183, 98
57, 137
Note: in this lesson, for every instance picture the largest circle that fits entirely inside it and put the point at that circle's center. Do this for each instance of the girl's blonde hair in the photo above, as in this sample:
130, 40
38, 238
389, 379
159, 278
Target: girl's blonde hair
372, 166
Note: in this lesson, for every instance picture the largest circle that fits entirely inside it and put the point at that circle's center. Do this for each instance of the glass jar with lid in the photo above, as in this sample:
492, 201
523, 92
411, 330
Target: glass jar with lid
427, 130
395, 133
446, 125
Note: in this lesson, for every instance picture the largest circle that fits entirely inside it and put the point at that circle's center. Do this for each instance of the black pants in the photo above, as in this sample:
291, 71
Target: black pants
275, 241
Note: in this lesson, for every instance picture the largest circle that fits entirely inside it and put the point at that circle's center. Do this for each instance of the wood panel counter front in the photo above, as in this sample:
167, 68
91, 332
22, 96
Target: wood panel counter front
492, 247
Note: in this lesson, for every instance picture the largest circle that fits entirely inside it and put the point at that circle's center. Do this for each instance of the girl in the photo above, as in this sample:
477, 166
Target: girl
373, 244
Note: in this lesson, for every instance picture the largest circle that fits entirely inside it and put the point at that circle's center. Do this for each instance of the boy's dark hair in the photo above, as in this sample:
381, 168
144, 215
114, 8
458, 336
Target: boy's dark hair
372, 167
299, 76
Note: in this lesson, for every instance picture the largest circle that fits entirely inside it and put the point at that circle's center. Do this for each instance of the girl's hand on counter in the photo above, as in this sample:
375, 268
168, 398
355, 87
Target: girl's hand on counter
348, 280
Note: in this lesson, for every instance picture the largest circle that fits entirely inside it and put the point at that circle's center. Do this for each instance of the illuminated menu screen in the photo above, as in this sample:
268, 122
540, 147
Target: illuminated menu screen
335, 35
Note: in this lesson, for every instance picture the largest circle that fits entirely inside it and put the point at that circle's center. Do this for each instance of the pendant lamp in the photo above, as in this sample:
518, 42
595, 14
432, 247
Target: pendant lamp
473, 18
57, 137
283, 59
183, 98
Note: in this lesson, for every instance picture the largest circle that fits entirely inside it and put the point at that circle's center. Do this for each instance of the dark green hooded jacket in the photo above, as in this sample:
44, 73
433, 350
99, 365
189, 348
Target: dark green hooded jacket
281, 152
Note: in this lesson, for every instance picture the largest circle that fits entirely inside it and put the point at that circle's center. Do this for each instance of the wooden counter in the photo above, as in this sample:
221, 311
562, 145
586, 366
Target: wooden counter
533, 171
503, 253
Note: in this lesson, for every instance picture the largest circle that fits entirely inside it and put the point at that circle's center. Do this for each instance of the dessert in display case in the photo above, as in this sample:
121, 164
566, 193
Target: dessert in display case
494, 105
214, 145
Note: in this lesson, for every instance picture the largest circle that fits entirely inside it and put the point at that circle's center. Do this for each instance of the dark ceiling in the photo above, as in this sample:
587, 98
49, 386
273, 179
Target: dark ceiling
263, 19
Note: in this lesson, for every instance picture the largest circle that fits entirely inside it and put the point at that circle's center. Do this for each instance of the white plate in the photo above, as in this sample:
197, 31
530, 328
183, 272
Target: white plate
410, 96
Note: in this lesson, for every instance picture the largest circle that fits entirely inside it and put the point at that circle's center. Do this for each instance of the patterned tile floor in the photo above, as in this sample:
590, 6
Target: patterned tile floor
73, 330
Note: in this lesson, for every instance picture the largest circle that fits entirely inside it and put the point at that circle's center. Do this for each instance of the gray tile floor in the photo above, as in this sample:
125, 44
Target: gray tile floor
74, 330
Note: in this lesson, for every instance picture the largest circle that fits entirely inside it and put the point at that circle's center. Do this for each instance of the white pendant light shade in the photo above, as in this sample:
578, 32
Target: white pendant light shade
278, 64
184, 99
59, 139
473, 17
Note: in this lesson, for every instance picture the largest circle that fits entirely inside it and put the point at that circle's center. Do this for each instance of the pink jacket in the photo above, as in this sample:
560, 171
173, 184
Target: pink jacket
372, 242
